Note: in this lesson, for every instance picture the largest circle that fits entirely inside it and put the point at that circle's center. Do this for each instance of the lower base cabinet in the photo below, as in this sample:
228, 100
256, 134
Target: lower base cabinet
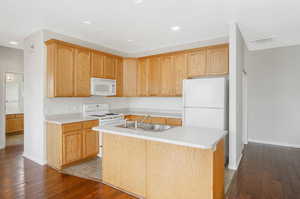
71, 143
156, 170
14, 123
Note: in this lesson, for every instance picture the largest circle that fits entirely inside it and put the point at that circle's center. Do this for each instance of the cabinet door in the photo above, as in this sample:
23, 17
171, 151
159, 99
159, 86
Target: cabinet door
82, 73
20, 124
143, 77
72, 146
155, 76
180, 62
167, 76
90, 142
217, 60
119, 77
11, 125
130, 77
197, 63
174, 121
158, 120
109, 67
64, 71
97, 68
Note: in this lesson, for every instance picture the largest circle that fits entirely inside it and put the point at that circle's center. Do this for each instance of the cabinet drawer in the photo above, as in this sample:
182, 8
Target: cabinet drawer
20, 115
90, 124
174, 121
10, 116
71, 126
158, 120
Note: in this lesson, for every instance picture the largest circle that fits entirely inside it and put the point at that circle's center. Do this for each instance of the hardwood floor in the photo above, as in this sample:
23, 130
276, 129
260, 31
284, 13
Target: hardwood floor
267, 172
22, 178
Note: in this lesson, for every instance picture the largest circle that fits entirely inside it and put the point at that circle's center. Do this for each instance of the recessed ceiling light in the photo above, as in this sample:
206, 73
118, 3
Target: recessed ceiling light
13, 43
130, 40
175, 28
87, 22
138, 1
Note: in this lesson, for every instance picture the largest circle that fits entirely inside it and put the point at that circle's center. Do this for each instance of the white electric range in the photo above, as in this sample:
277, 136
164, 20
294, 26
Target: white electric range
106, 118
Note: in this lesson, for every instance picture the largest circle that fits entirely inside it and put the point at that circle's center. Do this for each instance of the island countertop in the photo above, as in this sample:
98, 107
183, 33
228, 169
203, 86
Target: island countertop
197, 137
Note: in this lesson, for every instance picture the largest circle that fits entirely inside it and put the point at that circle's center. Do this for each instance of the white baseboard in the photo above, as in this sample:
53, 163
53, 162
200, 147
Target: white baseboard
274, 143
236, 166
40, 162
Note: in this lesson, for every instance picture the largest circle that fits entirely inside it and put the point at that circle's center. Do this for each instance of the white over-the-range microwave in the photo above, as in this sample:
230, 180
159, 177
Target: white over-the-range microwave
103, 87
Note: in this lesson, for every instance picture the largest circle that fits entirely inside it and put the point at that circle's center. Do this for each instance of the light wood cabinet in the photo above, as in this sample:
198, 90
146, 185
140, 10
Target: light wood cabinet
72, 146
124, 163
130, 77
180, 70
167, 76
109, 67
14, 123
70, 143
196, 63
82, 73
143, 77
60, 62
70, 67
217, 60
151, 169
155, 76
97, 64
119, 77
90, 142
174, 121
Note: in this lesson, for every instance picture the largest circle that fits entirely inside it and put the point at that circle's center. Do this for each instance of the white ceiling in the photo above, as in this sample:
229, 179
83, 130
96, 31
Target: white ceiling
114, 22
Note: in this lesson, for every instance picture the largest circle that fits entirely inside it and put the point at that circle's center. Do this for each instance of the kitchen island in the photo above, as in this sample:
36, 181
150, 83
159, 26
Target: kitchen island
179, 163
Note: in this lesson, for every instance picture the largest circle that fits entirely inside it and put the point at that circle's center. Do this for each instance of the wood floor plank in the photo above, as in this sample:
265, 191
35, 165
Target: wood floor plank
267, 172
21, 178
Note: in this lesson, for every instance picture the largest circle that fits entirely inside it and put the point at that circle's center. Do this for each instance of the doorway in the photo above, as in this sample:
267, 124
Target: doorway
14, 109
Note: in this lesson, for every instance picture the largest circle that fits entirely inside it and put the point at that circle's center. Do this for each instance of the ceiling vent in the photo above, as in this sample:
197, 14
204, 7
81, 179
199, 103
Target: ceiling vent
263, 40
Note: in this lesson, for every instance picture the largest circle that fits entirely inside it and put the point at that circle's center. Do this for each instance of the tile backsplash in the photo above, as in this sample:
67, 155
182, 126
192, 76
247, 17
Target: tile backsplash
55, 106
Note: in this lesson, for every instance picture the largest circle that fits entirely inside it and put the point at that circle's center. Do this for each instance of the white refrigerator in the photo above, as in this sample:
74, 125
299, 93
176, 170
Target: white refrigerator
206, 103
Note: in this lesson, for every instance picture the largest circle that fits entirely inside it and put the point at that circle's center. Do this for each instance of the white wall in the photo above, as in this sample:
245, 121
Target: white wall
236, 65
34, 89
11, 60
274, 95
157, 103
74, 105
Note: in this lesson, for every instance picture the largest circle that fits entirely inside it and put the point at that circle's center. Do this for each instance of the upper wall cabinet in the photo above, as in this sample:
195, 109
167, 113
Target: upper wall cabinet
130, 77
143, 77
70, 67
211, 60
180, 68
109, 67
217, 60
82, 73
197, 63
119, 76
155, 76
97, 68
60, 69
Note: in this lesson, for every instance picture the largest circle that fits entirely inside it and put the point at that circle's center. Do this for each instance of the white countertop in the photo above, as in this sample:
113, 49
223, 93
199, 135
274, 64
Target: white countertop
68, 118
197, 137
